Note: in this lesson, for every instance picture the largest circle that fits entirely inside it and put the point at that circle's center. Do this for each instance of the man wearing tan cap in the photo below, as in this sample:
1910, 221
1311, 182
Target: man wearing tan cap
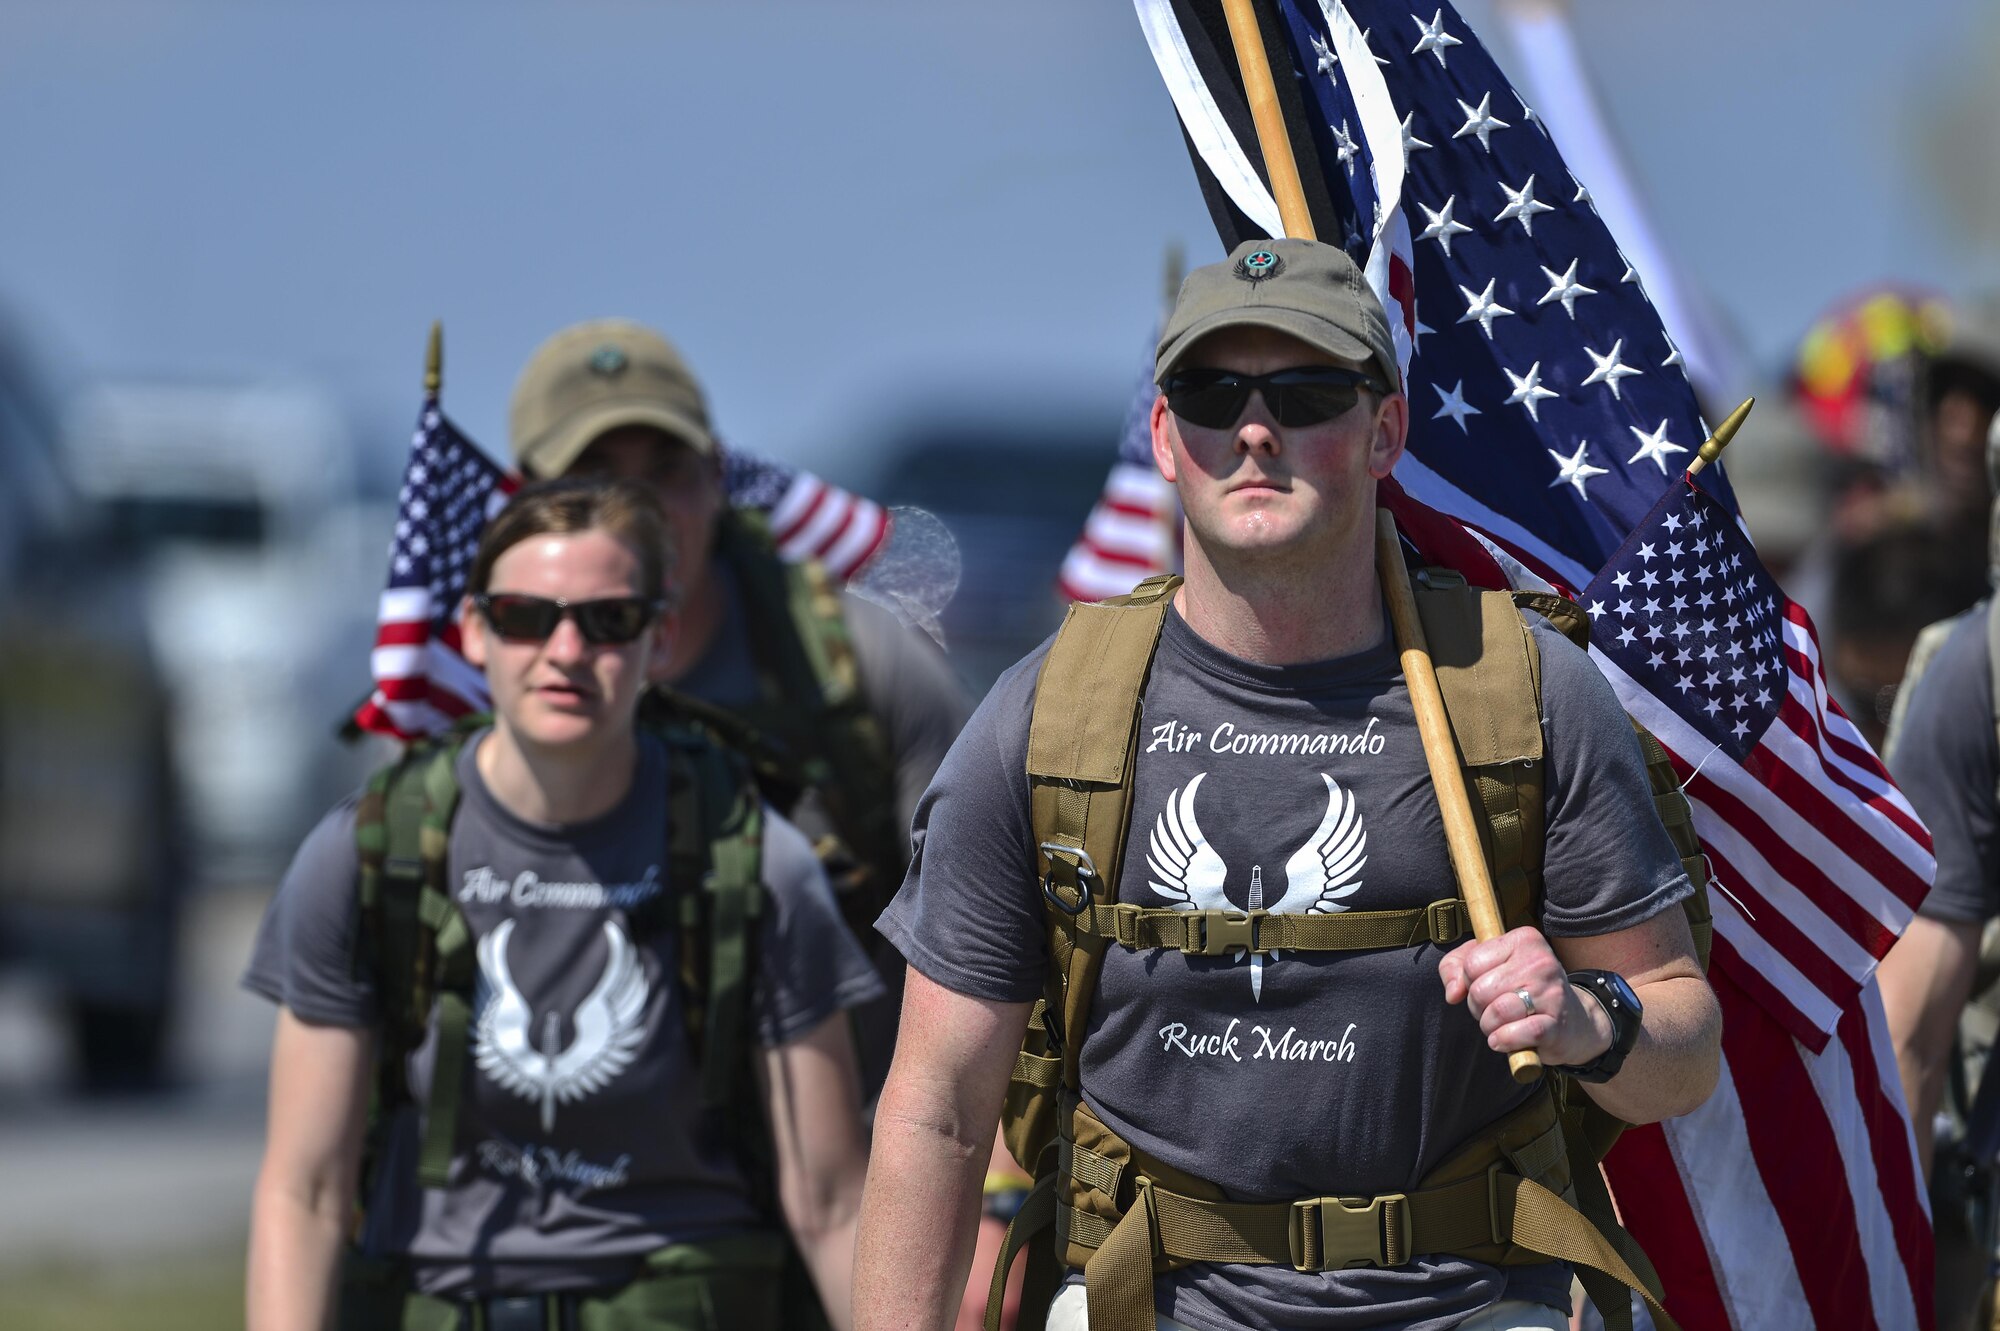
1270, 1083
859, 706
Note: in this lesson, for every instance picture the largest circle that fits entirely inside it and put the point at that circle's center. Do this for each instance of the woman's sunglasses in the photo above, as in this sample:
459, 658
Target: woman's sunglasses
610, 622
1307, 395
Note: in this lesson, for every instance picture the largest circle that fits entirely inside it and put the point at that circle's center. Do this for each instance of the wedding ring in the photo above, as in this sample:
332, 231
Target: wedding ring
1527, 1001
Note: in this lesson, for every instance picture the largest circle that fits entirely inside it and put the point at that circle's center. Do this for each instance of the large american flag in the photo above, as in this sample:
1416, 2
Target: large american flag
452, 487
1552, 416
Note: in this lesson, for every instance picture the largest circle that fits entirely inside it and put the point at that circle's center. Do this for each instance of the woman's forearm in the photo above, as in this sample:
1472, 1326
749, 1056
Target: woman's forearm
295, 1251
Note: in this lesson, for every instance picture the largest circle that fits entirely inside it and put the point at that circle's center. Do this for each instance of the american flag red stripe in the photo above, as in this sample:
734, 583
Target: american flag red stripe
815, 520
1750, 1162
1129, 536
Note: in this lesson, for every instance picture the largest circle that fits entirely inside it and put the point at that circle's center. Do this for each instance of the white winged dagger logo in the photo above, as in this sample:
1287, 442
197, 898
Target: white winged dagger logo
609, 1025
1189, 874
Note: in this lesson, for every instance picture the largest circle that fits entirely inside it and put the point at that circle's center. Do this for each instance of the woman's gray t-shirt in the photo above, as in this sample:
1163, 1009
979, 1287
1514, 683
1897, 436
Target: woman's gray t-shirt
1302, 1074
581, 1141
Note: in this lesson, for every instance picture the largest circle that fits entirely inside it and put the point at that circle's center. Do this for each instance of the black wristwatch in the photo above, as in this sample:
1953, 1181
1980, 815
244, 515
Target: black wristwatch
1623, 1007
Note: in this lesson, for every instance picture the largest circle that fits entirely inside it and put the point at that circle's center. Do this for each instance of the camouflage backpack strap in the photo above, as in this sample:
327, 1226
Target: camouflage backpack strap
419, 947
805, 660
715, 848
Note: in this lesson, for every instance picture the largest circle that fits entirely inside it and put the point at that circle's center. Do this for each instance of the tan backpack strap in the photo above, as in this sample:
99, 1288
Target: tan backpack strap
1212, 933
1490, 674
1081, 741
1035, 1219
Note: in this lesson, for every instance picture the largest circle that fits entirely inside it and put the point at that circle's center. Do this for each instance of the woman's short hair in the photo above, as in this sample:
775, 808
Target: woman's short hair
622, 509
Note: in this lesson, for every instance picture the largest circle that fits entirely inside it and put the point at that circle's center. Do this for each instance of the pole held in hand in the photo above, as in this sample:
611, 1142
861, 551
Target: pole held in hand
1461, 834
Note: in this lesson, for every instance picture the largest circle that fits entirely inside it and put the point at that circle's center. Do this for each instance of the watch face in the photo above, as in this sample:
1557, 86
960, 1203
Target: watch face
1624, 1007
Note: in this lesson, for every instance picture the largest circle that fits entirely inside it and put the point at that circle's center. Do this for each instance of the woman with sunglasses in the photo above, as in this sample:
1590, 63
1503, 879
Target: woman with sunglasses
575, 1172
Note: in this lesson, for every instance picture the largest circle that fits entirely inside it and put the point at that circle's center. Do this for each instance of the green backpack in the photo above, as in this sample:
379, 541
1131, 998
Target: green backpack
1526, 1190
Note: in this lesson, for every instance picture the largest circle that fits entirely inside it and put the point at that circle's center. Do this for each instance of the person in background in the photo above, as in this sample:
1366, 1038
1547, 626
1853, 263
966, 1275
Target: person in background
562, 1002
859, 707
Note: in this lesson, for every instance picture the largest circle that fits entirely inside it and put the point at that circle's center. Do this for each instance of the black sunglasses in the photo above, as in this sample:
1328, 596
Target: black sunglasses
1305, 395
610, 622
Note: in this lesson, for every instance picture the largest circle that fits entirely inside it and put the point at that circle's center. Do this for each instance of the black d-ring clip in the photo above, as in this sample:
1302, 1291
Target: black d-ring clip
1086, 874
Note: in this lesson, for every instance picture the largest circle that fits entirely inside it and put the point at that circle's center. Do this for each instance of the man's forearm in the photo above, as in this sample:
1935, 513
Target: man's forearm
919, 1217
1674, 1067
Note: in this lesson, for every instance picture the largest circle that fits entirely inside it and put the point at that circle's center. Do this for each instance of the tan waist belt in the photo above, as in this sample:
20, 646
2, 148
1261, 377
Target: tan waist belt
1211, 933
1505, 1198
1314, 1233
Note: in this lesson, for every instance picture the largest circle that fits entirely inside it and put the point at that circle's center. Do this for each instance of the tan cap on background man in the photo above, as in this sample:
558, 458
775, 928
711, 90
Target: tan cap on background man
595, 377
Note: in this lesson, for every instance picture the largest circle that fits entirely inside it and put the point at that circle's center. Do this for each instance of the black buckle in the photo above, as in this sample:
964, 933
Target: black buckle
1378, 1226
1225, 931
1086, 874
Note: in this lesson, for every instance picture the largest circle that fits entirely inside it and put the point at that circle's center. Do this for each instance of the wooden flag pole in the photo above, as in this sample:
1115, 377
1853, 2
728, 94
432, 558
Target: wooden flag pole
1724, 432
1279, 164
1461, 834
1440, 750
434, 360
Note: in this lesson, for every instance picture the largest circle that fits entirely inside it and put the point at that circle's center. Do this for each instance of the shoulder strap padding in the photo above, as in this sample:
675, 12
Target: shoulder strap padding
1480, 648
1087, 698
1490, 673
1081, 744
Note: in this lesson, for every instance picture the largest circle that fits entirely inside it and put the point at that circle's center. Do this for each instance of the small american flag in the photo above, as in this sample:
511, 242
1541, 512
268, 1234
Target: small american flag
1134, 529
451, 489
809, 518
1552, 416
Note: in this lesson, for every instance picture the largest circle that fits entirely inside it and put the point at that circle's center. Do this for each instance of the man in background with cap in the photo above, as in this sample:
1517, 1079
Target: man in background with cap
1275, 764
858, 707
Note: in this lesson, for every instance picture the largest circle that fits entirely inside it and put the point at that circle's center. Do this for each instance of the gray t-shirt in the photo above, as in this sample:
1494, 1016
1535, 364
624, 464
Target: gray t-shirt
1947, 759
919, 706
581, 1134
1305, 1074
906, 681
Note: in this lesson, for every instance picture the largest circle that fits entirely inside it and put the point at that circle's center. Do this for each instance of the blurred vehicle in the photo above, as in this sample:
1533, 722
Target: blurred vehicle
259, 564
1015, 494
92, 859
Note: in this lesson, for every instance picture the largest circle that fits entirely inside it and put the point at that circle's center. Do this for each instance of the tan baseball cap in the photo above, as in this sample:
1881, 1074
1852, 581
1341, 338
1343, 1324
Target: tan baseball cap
595, 377
1311, 291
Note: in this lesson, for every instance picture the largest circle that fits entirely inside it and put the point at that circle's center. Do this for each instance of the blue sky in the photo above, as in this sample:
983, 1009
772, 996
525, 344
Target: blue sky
845, 212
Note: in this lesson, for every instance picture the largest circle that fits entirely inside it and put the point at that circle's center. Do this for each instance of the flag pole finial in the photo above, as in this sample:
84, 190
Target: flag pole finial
434, 360
1724, 432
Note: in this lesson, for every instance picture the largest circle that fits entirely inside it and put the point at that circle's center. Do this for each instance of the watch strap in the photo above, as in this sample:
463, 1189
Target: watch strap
1625, 1012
